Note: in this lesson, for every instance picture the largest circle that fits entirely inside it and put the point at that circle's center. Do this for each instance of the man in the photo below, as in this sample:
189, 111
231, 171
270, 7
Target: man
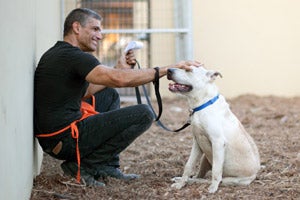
88, 141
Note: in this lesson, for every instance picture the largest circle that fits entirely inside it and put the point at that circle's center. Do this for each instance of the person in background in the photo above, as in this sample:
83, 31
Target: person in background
77, 114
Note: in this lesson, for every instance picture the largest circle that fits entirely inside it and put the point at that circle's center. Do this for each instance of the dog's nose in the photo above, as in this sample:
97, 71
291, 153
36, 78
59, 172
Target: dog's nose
169, 73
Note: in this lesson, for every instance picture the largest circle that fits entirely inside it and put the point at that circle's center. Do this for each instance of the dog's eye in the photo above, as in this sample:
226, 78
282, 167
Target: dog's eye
189, 70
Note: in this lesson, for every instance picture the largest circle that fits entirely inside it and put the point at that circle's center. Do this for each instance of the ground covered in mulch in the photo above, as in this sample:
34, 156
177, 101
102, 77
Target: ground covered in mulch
158, 156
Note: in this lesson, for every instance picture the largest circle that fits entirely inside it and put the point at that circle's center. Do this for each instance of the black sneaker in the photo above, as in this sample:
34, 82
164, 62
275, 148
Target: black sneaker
104, 171
70, 169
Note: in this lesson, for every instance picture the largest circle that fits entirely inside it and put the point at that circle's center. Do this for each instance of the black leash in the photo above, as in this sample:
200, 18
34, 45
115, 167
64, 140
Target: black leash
159, 101
157, 93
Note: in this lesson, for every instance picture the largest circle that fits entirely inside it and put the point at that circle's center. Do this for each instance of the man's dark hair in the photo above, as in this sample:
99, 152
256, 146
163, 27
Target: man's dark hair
79, 15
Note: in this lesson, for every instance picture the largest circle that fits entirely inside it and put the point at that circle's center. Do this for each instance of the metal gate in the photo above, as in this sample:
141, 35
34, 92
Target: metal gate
164, 27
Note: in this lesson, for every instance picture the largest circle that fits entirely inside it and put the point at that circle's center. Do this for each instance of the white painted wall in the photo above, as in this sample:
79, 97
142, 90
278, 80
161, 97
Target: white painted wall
255, 44
28, 28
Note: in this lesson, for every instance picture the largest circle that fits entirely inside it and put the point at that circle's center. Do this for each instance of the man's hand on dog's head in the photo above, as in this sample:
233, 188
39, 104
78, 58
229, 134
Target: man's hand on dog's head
186, 65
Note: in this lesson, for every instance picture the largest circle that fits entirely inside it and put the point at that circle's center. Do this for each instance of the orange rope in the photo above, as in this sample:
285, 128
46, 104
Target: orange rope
86, 110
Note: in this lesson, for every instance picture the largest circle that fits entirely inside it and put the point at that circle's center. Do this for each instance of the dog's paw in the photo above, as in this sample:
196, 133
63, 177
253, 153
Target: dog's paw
176, 179
178, 185
213, 188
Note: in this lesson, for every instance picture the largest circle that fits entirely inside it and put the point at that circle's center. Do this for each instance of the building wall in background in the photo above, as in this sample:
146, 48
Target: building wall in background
254, 44
28, 28
162, 51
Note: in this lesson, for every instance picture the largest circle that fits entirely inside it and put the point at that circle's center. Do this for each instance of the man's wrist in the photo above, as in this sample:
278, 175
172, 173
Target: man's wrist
157, 69
156, 75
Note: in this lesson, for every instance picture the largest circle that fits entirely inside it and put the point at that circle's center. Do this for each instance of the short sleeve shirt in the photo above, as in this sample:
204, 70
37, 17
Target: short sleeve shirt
59, 85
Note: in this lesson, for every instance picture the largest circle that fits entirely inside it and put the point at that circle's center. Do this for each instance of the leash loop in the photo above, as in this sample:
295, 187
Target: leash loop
159, 101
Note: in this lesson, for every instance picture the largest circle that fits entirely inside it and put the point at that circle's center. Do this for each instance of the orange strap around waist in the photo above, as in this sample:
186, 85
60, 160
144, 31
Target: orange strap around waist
86, 110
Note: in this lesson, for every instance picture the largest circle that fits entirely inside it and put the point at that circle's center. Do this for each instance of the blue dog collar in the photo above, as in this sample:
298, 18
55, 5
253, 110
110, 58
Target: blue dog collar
210, 102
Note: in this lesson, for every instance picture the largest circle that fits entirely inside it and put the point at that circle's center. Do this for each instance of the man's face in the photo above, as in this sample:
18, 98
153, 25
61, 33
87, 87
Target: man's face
89, 35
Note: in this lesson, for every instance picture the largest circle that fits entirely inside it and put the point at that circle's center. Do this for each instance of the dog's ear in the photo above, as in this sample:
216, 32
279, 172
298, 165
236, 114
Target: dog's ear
213, 74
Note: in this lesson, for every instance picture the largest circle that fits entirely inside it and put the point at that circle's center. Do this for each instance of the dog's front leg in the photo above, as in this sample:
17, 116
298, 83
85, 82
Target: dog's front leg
218, 148
190, 166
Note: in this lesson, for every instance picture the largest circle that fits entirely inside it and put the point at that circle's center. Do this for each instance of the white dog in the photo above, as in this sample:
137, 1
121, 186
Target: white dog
220, 141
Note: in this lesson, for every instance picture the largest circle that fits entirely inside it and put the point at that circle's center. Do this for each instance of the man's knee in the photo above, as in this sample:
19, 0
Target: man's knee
108, 92
107, 99
146, 111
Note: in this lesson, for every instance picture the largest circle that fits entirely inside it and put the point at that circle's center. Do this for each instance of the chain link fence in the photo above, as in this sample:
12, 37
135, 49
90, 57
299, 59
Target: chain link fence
159, 25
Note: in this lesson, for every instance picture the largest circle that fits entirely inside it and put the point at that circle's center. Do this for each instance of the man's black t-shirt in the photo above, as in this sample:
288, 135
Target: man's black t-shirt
59, 85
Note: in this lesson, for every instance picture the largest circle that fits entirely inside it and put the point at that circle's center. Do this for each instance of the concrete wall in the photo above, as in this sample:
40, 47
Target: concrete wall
28, 28
255, 44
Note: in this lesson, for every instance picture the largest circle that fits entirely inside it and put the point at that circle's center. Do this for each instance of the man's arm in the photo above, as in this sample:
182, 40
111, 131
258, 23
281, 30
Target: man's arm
123, 76
92, 89
112, 77
116, 78
129, 59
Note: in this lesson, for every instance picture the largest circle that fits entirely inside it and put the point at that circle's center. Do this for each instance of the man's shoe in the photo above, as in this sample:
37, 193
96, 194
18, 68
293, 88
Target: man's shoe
70, 168
111, 171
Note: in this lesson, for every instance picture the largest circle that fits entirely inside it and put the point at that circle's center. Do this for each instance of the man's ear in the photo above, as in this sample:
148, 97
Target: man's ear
213, 74
76, 27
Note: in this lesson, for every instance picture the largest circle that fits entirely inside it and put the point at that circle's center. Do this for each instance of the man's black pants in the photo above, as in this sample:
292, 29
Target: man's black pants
102, 137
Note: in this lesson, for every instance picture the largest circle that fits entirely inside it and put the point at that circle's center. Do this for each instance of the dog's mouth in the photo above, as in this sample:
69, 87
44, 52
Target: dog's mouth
177, 87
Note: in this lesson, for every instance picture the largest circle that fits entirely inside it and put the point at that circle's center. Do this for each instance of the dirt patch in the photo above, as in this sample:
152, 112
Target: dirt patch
158, 156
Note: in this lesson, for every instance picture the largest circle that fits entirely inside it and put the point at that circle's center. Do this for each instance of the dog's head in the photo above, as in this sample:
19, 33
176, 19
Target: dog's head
198, 79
